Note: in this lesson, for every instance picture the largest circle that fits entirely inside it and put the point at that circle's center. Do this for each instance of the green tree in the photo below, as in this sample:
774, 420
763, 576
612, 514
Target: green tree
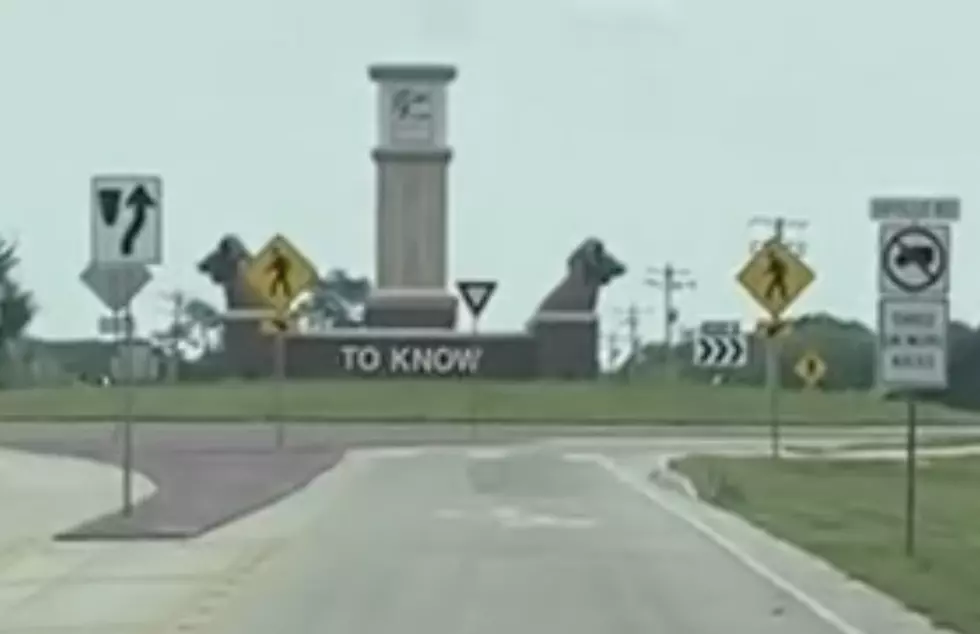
17, 306
337, 300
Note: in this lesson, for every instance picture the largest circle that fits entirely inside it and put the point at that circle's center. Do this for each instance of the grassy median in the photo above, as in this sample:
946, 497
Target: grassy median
457, 401
851, 513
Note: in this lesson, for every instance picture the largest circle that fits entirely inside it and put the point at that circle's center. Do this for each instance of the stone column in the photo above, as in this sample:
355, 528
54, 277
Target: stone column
412, 161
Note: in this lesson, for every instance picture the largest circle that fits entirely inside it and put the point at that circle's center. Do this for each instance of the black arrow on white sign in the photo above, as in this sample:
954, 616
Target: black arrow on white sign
139, 201
476, 294
720, 351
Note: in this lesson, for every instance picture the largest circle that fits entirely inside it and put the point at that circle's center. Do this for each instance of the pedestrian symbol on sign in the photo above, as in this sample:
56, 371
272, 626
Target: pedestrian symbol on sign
776, 270
279, 267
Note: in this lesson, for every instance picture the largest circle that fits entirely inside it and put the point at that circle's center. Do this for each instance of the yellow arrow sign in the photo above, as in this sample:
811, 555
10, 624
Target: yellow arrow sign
775, 277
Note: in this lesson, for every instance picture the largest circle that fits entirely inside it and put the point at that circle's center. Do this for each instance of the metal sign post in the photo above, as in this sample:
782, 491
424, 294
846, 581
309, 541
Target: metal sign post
278, 385
910, 476
128, 370
914, 240
773, 383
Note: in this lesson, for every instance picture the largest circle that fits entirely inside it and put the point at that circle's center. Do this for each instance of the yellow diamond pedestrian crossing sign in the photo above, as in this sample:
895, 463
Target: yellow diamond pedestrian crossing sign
811, 369
775, 277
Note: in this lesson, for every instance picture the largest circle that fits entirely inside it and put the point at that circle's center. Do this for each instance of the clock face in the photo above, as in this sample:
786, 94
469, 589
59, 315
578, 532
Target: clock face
412, 115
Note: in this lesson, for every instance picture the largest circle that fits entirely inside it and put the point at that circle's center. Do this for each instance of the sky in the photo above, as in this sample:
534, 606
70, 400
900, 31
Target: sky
661, 126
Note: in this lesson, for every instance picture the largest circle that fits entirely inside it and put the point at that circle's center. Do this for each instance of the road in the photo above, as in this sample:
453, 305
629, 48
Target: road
540, 538
541, 535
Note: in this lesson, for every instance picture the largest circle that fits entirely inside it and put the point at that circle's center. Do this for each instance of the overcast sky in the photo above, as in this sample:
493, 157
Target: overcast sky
660, 126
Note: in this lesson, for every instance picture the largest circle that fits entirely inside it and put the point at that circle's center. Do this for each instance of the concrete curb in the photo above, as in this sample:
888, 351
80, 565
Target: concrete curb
681, 423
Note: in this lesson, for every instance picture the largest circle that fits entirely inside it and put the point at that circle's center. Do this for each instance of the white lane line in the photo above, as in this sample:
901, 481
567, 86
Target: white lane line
816, 607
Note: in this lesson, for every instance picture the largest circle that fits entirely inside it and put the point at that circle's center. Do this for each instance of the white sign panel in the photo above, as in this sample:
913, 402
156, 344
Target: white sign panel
914, 260
915, 209
912, 343
127, 219
721, 351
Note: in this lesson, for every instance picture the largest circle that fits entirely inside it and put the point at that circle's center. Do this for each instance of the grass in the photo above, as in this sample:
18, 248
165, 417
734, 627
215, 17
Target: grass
456, 401
862, 532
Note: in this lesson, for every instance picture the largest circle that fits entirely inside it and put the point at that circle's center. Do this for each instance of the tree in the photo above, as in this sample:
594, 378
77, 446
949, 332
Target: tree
194, 325
205, 323
17, 307
337, 300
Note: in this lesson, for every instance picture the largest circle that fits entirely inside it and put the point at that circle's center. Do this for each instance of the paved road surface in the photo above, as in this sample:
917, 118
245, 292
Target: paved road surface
554, 536
523, 540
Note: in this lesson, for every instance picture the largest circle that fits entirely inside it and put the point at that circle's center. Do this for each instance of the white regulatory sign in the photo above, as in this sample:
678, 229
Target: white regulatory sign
127, 219
914, 260
915, 209
912, 343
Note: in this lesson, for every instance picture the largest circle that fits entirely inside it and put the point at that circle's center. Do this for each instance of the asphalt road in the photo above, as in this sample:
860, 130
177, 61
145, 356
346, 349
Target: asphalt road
528, 539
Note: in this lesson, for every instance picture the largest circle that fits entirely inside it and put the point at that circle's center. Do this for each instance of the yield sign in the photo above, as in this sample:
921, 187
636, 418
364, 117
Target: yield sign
115, 284
476, 294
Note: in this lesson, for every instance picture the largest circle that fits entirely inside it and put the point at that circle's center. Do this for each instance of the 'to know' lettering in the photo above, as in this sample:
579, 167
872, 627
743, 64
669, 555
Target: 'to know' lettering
431, 360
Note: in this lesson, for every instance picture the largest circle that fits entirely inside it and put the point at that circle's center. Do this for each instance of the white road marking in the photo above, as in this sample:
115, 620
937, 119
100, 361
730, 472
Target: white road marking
820, 610
488, 453
391, 453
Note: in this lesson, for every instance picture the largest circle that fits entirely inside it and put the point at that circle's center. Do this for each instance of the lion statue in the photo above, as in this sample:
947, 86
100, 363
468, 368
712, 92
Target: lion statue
590, 267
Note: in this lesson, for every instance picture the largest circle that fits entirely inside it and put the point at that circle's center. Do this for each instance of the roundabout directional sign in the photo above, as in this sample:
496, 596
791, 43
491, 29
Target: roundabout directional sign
914, 260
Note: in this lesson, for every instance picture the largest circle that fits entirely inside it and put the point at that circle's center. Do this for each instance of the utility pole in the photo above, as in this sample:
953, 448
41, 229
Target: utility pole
612, 349
631, 319
177, 301
779, 226
669, 279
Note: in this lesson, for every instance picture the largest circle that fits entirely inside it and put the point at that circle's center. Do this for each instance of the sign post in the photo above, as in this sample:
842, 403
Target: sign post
913, 313
280, 273
775, 277
126, 233
476, 294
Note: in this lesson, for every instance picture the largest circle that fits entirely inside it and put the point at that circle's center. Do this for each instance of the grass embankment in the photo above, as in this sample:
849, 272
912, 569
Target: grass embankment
456, 401
851, 514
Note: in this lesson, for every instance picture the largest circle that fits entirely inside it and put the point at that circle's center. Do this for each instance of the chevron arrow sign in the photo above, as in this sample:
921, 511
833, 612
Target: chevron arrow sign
721, 351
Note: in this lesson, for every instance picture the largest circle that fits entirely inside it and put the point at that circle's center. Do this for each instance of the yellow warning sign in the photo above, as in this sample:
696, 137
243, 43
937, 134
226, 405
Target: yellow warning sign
277, 325
280, 273
811, 368
773, 328
775, 277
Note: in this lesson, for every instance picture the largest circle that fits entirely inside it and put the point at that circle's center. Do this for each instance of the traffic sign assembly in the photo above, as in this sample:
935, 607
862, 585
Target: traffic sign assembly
775, 277
811, 368
914, 260
279, 273
127, 219
476, 294
719, 344
913, 343
913, 311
